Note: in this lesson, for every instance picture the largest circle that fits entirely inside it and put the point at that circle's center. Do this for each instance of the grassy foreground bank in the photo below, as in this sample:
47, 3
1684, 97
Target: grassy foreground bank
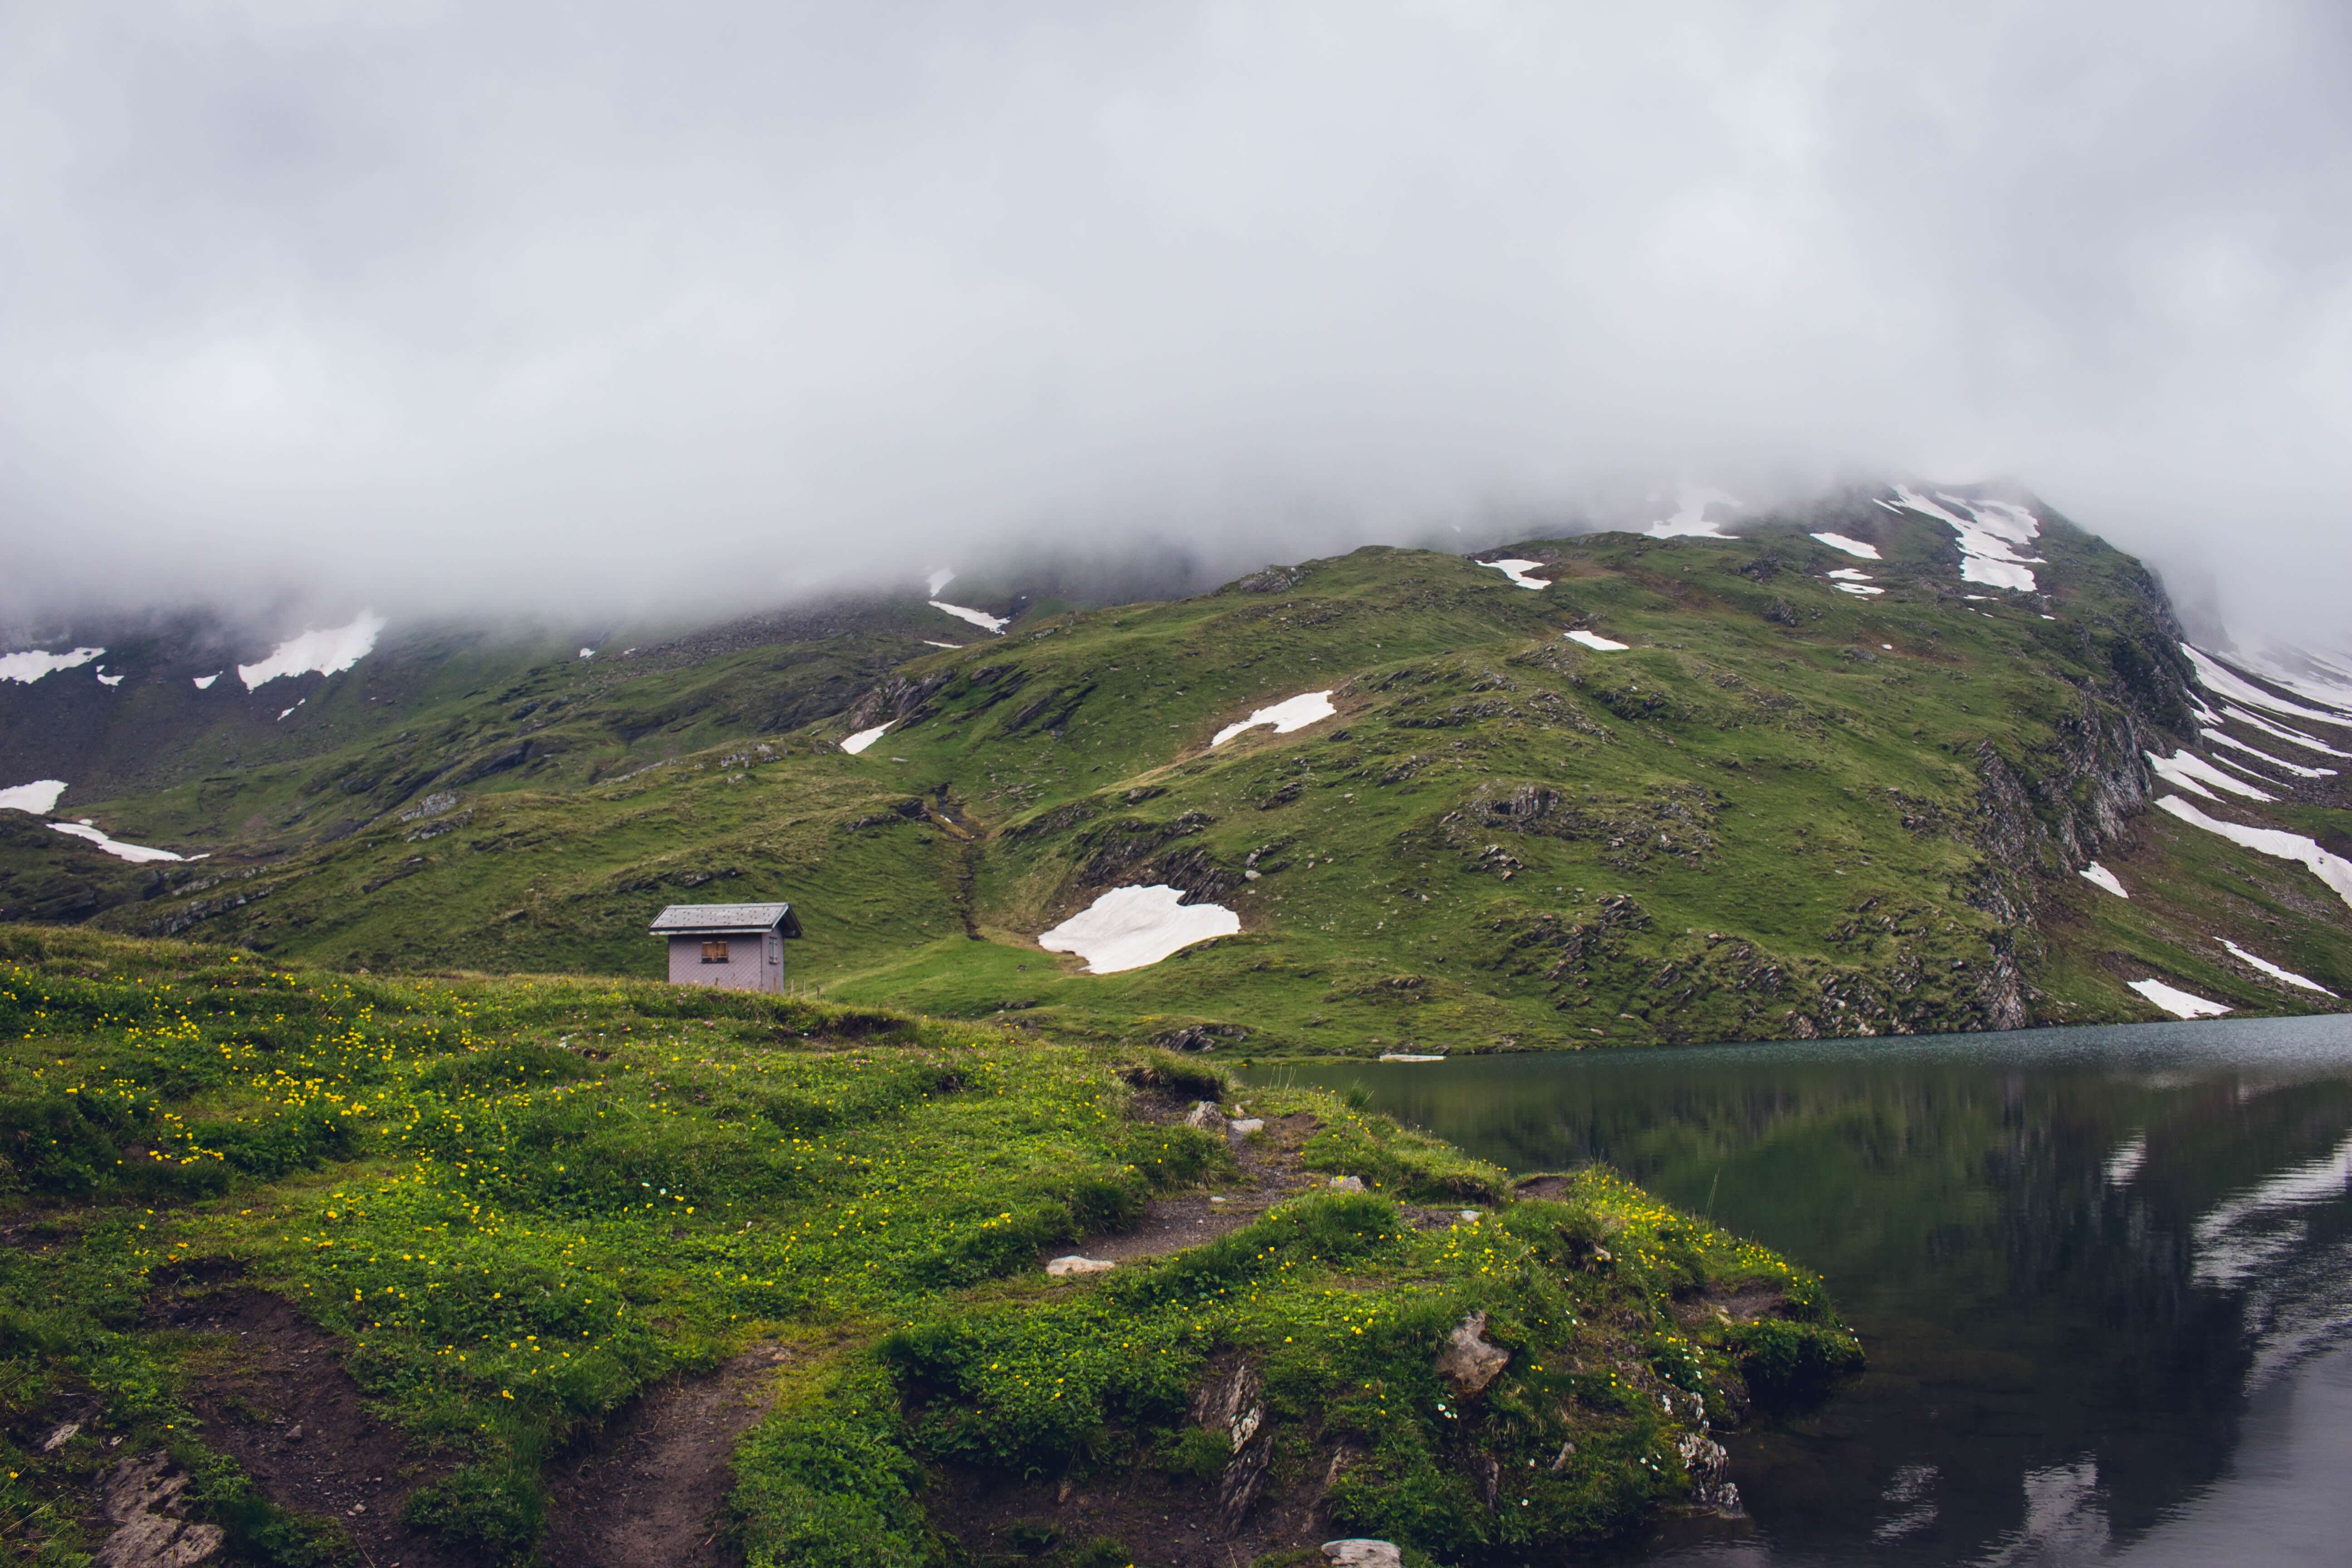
510, 1207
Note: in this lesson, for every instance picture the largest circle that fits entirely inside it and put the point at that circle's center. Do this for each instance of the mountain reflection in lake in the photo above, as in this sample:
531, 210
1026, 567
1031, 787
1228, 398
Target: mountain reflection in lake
2102, 1275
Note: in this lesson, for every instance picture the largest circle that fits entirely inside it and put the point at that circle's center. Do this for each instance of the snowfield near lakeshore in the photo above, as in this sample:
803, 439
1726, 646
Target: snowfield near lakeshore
979, 619
39, 797
2333, 869
33, 664
2098, 876
330, 651
1850, 546
2178, 1002
865, 737
1133, 928
2288, 976
1596, 642
1516, 571
1293, 713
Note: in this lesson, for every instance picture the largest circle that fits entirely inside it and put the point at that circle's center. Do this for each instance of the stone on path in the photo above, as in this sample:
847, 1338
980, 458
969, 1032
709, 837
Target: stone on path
145, 1504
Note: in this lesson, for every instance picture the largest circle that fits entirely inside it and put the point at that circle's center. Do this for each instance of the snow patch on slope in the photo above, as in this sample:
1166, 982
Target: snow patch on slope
939, 580
106, 680
205, 682
979, 619
32, 664
1516, 571
2272, 969
2193, 773
39, 797
2224, 738
2333, 869
1690, 520
2098, 876
2292, 737
1991, 536
2317, 681
2222, 682
2178, 1002
865, 737
1292, 713
328, 651
1130, 928
1596, 642
115, 846
1850, 546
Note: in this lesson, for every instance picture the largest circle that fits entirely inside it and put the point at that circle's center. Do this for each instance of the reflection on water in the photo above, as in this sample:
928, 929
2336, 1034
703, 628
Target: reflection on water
2105, 1275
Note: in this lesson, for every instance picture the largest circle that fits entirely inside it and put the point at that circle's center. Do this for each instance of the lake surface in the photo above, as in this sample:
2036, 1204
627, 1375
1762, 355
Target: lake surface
2103, 1276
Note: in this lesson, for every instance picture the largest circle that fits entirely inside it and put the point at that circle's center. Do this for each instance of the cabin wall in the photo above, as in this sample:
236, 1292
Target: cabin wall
754, 962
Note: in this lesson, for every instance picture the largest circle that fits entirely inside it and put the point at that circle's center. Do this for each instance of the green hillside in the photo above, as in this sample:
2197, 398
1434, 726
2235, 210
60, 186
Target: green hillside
1784, 809
385, 1267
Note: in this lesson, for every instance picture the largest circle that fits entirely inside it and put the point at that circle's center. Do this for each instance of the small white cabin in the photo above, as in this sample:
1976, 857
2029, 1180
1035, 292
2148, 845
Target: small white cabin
736, 947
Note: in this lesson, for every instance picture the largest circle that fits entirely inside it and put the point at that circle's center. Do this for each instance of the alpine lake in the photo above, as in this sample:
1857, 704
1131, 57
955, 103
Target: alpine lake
2103, 1276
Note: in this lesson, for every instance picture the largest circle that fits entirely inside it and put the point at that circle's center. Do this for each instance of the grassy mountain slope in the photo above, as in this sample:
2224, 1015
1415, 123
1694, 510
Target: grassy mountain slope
1784, 809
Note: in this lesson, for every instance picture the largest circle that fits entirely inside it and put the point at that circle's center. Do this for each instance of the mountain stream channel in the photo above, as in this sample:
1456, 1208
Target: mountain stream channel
2103, 1276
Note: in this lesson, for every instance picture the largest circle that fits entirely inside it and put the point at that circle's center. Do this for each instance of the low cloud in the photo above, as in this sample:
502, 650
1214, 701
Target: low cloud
589, 306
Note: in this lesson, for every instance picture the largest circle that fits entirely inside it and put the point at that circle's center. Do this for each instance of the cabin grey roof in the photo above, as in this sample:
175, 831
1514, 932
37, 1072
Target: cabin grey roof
693, 919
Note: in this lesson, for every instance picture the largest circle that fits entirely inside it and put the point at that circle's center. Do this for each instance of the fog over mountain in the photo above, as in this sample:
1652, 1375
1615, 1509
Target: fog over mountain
589, 306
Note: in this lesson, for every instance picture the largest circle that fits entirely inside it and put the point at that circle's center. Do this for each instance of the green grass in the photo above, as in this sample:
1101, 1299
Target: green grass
1767, 819
518, 1202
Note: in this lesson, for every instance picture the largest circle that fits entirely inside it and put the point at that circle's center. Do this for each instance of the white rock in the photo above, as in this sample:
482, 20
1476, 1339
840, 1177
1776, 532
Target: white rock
1347, 1183
1073, 1264
1246, 1126
1363, 1553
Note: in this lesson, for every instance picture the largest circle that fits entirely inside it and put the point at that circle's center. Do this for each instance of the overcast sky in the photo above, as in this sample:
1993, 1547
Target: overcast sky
583, 303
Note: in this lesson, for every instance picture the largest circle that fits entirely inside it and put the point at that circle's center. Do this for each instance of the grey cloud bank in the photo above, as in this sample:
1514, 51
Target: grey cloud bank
590, 306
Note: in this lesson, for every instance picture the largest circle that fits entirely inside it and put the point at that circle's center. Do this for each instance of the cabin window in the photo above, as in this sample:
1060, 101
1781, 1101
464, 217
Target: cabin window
714, 952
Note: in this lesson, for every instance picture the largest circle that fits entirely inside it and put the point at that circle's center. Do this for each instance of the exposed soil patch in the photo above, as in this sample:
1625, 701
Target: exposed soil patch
278, 1400
1269, 1175
1169, 1520
650, 1491
1741, 1304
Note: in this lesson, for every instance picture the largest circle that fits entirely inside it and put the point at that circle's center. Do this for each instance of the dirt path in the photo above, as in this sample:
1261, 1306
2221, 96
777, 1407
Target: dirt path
275, 1398
651, 1490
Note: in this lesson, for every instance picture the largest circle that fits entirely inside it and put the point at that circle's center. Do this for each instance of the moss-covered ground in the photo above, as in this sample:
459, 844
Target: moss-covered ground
513, 1205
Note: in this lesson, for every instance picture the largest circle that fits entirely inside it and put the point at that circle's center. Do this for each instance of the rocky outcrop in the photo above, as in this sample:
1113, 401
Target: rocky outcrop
145, 1500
